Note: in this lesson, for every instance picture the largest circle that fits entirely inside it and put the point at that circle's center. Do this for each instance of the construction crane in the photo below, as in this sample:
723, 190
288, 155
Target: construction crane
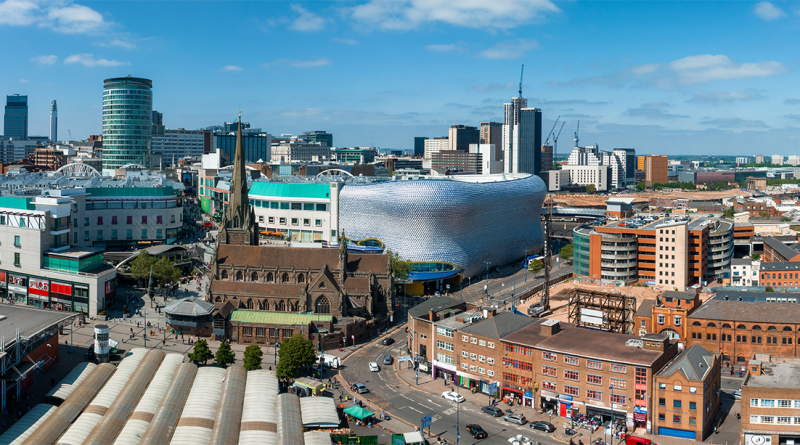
551, 131
520, 80
576, 133
555, 139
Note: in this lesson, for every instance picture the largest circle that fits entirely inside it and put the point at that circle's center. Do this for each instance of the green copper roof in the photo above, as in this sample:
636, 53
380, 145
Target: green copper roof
286, 190
18, 203
276, 317
130, 191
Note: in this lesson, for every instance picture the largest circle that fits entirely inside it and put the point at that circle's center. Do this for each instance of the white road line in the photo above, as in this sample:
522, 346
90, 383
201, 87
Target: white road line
415, 409
380, 376
431, 401
426, 406
391, 388
407, 397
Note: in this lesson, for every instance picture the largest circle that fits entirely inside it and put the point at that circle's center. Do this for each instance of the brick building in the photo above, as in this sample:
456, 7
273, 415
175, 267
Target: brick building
656, 170
780, 274
421, 319
687, 395
740, 329
668, 314
755, 208
756, 183
771, 406
776, 250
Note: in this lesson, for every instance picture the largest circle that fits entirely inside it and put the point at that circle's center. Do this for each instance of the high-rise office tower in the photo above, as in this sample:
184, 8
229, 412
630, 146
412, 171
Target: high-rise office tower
522, 137
53, 122
319, 136
158, 118
492, 133
127, 122
461, 137
419, 146
15, 120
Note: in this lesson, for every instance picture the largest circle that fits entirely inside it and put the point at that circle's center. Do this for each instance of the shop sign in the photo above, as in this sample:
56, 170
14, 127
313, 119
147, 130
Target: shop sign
528, 395
423, 367
16, 280
39, 287
2, 279
639, 417
61, 288
640, 409
565, 397
548, 394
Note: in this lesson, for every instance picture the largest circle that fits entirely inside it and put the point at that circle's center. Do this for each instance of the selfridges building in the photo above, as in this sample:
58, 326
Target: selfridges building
465, 220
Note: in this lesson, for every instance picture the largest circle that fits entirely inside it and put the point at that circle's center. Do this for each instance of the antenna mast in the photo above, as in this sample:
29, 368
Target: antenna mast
521, 71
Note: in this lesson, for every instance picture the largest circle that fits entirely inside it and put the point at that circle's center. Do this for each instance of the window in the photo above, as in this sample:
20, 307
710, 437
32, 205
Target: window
444, 358
594, 364
318, 222
483, 359
490, 345
86, 221
172, 218
644, 323
261, 332
444, 345
591, 394
677, 320
423, 336
159, 234
662, 402
473, 356
464, 354
440, 330
482, 370
247, 331
571, 390
144, 233
129, 220
618, 383
465, 365
571, 375
616, 367
692, 405
490, 373
549, 386
784, 403
113, 233
574, 361
676, 419
473, 340
295, 221
99, 234
283, 221
16, 259
271, 219
129, 234
676, 403
662, 417
465, 338
594, 379
481, 342
692, 420
767, 403
550, 357
113, 220
549, 370
17, 242
661, 319
144, 219
619, 399
677, 388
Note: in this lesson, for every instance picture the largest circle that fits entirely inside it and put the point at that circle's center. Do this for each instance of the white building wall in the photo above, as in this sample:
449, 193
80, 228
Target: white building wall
300, 225
435, 146
588, 174
777, 159
178, 144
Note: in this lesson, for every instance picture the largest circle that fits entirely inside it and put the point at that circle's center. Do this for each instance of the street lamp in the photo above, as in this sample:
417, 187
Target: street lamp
487, 278
275, 359
145, 329
526, 266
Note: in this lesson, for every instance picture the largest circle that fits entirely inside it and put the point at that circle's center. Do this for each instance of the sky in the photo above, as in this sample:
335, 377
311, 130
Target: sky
663, 77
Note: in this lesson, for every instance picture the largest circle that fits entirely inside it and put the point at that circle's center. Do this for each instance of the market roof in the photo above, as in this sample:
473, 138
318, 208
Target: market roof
290, 190
164, 248
747, 311
319, 412
244, 316
435, 303
693, 363
29, 320
190, 307
500, 325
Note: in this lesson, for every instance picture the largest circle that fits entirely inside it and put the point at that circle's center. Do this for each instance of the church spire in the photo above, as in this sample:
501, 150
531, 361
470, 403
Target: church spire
239, 225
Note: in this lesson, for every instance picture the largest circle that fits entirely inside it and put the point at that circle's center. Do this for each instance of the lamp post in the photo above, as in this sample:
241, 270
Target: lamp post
526, 266
487, 278
145, 329
275, 358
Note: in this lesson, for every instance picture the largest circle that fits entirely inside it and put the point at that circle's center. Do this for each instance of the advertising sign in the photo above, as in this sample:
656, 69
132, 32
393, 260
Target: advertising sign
427, 421
2, 279
40, 287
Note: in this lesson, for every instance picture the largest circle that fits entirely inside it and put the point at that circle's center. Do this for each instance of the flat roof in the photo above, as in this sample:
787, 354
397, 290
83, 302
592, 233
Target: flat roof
290, 190
29, 320
75, 252
435, 303
778, 375
749, 312
602, 345
780, 265
244, 316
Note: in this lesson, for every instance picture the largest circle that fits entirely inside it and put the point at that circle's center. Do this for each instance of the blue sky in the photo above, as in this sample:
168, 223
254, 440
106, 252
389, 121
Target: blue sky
717, 77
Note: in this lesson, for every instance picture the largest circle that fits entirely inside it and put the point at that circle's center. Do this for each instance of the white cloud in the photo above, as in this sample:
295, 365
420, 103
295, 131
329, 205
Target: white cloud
308, 21
709, 68
58, 15
89, 60
442, 48
719, 96
23, 81
346, 41
409, 14
45, 60
120, 44
768, 11
510, 49
734, 122
649, 68
300, 63
231, 68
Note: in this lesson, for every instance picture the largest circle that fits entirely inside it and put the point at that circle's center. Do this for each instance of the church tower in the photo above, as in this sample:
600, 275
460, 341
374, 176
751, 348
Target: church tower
239, 225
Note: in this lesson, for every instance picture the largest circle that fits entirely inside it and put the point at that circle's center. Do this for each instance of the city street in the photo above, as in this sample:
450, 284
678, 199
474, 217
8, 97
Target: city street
511, 281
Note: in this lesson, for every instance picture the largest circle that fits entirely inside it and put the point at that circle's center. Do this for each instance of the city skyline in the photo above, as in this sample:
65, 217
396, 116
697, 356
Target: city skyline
670, 77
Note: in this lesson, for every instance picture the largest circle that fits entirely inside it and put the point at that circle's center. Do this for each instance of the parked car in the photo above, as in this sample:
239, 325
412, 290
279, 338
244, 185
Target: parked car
359, 388
635, 440
455, 397
388, 340
476, 431
515, 418
493, 411
519, 439
374, 367
547, 427
387, 359
737, 395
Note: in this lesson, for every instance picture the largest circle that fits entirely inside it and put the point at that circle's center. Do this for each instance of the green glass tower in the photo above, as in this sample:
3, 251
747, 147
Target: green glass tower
127, 122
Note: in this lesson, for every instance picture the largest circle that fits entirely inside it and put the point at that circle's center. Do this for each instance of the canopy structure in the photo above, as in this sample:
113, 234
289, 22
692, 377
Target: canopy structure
358, 412
414, 438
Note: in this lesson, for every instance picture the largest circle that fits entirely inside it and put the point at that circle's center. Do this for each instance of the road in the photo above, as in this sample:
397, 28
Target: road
398, 399
506, 285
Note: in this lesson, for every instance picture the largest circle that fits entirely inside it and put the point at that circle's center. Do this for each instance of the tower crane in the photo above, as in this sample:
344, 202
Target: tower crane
520, 80
551, 131
576, 133
555, 140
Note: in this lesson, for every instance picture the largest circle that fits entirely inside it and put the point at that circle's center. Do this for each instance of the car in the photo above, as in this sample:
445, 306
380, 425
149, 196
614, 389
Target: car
493, 411
374, 367
476, 431
547, 427
455, 397
519, 439
515, 418
359, 388
387, 359
388, 340
737, 395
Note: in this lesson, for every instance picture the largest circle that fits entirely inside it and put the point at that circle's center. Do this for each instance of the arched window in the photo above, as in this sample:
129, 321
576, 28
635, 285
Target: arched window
741, 326
756, 328
285, 278
224, 274
726, 326
239, 275
322, 305
322, 285
300, 278
712, 325
281, 306
242, 305
696, 323
772, 328
254, 277
262, 305
787, 328
270, 279
249, 303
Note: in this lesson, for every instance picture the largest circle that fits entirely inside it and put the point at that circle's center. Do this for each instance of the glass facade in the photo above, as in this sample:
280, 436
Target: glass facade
68, 265
15, 120
127, 122
581, 253
256, 147
455, 221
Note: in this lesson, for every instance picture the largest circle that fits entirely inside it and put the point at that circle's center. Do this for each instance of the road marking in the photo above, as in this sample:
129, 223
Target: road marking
407, 397
410, 407
434, 403
391, 388
426, 406
380, 376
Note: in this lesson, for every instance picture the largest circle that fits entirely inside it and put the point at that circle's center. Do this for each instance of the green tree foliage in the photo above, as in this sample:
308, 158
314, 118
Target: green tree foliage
252, 357
140, 266
201, 352
225, 355
640, 186
591, 189
769, 289
163, 269
729, 212
755, 257
295, 353
535, 266
566, 252
400, 266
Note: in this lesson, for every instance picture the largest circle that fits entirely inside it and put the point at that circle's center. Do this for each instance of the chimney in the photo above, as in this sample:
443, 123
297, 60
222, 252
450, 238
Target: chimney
431, 315
551, 327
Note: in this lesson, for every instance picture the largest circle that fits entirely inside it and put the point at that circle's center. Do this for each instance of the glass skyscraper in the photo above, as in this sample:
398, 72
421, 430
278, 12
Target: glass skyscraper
127, 122
257, 147
15, 120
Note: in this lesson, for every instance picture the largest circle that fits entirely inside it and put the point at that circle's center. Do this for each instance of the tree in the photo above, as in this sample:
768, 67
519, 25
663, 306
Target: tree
163, 269
755, 257
295, 353
640, 186
729, 212
566, 252
591, 189
201, 352
535, 266
769, 289
225, 356
140, 266
400, 266
252, 357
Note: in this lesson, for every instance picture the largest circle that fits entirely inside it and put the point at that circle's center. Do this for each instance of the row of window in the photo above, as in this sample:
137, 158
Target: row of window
677, 404
775, 420
444, 358
773, 403
742, 327
517, 349
676, 419
677, 388
475, 341
129, 220
262, 332
477, 357
474, 368
743, 338
443, 331
289, 205
444, 345
128, 235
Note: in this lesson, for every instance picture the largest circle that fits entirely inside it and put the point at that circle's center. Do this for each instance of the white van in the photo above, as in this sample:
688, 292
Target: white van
328, 360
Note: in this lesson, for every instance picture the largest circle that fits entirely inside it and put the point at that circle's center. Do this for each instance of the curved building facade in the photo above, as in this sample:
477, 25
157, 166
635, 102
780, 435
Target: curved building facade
127, 122
464, 220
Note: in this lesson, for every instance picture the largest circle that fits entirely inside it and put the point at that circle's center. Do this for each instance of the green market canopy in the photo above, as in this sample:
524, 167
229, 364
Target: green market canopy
358, 412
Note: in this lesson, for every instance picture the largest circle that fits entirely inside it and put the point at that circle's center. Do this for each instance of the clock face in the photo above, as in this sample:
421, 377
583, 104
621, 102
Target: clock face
757, 440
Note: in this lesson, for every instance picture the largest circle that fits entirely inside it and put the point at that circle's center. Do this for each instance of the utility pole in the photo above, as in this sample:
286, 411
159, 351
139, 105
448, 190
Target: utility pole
545, 303
487, 279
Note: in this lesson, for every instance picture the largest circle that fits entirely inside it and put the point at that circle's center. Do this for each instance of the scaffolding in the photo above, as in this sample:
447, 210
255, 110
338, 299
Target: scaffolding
607, 311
